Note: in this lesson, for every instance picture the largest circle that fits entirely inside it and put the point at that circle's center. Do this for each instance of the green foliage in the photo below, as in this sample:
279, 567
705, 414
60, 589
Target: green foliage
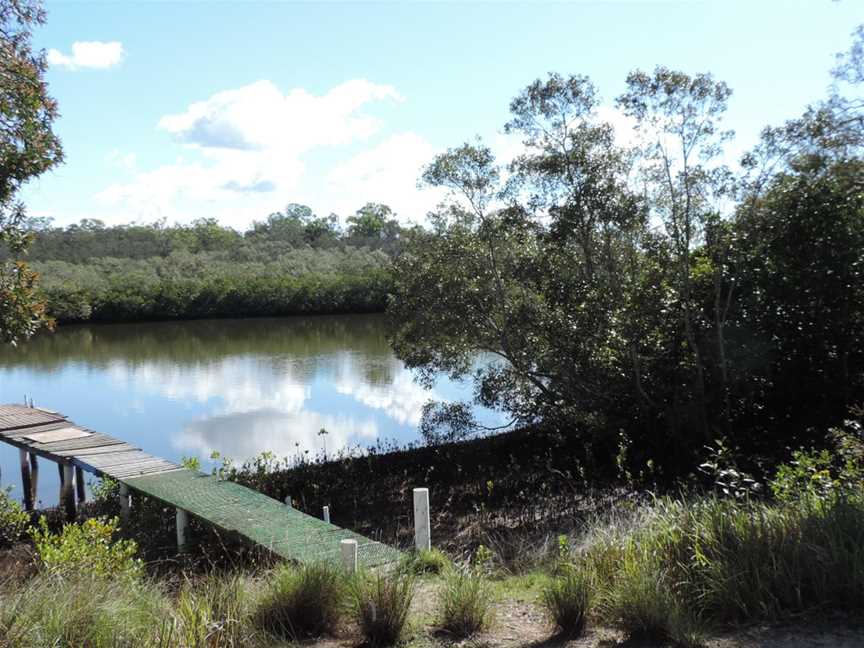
464, 604
87, 548
824, 474
13, 521
426, 561
381, 604
703, 306
28, 148
105, 490
567, 600
301, 602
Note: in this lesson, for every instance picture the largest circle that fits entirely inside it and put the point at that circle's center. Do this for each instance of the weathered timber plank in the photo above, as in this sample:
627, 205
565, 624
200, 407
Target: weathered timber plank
63, 434
86, 452
22, 432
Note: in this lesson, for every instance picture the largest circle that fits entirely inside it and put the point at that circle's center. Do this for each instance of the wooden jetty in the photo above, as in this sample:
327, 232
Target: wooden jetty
287, 532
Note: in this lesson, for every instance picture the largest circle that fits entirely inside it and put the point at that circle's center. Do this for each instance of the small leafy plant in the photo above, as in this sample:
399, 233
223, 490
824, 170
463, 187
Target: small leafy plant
87, 548
13, 520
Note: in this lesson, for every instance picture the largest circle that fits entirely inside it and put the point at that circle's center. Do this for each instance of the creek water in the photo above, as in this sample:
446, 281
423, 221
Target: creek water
239, 387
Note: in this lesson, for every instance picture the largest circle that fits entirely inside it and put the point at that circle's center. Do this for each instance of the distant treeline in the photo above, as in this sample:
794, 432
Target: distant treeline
293, 262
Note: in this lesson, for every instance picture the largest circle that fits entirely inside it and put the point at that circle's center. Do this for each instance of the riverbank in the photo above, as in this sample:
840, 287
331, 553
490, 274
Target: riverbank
241, 291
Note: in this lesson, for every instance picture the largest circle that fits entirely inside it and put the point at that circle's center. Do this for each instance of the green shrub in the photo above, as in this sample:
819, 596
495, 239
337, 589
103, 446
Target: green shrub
381, 605
567, 600
426, 561
213, 612
464, 604
87, 548
301, 602
13, 521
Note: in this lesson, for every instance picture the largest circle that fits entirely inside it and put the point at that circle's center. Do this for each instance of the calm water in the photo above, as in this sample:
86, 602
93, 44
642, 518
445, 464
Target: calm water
237, 386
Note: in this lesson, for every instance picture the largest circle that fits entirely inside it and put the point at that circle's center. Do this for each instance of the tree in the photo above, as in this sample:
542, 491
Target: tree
28, 148
373, 221
535, 271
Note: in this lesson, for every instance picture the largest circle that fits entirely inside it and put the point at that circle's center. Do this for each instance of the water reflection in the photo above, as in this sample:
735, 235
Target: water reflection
236, 386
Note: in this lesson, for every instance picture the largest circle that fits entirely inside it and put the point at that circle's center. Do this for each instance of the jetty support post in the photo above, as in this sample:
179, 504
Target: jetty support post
67, 492
326, 515
348, 551
422, 532
80, 486
26, 484
123, 496
182, 528
34, 478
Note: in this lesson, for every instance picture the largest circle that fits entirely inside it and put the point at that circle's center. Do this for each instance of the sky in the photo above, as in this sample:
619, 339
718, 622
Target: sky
232, 110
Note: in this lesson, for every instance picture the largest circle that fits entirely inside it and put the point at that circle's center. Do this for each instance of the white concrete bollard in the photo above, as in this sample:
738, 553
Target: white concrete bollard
327, 514
124, 502
422, 528
182, 525
348, 550
289, 502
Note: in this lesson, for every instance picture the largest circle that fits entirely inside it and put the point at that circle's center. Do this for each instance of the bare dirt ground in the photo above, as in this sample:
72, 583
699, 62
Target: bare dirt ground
520, 624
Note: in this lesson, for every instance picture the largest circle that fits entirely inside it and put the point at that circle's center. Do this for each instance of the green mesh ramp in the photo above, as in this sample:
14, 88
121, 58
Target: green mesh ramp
267, 522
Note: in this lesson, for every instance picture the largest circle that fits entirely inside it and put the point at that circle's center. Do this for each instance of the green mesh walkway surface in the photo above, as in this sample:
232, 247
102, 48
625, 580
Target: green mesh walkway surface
285, 531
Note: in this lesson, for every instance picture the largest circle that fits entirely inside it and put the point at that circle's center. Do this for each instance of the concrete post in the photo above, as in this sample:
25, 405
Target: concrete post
124, 502
182, 526
348, 550
422, 528
327, 514
289, 502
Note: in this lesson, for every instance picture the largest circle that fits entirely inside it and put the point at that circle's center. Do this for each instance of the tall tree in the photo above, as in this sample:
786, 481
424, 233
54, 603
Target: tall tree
28, 148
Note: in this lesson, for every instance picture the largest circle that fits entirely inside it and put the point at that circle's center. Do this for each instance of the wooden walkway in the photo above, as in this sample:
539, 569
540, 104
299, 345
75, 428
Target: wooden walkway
283, 530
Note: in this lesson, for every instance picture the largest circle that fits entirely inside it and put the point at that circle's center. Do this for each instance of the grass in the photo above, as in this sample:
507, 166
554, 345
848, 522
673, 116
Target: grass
567, 600
301, 602
676, 569
381, 604
426, 561
686, 566
98, 613
214, 612
464, 604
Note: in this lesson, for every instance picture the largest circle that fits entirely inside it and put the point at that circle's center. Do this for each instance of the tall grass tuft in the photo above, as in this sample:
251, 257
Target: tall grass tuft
567, 601
689, 564
301, 602
464, 604
214, 613
381, 605
83, 611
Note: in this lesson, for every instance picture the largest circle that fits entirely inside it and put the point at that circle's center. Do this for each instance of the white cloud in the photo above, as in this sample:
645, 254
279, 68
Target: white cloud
386, 173
95, 55
245, 154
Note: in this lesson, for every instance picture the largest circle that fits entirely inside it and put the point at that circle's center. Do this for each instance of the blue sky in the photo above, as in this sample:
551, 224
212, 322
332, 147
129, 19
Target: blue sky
233, 110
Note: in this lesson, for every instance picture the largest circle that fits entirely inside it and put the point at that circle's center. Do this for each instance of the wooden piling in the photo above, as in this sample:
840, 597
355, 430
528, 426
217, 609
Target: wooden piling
80, 486
34, 478
26, 485
67, 492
